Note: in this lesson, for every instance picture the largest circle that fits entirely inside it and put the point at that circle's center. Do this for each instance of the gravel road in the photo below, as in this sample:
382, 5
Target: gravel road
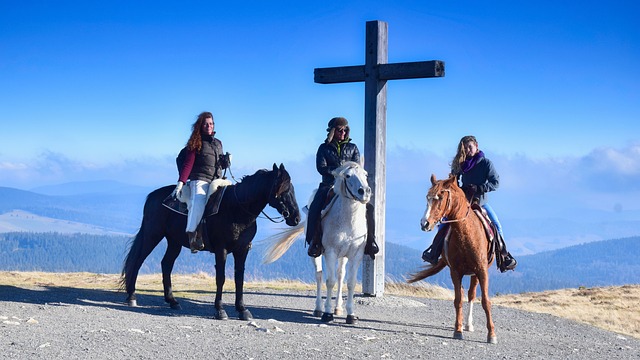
69, 323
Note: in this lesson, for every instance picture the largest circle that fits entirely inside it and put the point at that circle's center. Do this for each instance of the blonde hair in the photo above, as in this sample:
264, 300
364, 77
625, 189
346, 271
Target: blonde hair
461, 155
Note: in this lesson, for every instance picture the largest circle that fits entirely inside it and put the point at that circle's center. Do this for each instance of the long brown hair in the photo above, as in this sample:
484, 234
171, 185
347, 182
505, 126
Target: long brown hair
461, 155
195, 140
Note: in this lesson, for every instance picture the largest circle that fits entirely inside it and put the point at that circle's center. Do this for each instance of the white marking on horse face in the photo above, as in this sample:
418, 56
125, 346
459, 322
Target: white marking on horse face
425, 217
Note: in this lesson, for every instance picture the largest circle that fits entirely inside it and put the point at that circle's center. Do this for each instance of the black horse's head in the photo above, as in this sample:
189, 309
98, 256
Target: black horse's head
283, 196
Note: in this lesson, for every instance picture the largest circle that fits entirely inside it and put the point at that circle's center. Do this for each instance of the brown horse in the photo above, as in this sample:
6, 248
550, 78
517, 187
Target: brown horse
466, 249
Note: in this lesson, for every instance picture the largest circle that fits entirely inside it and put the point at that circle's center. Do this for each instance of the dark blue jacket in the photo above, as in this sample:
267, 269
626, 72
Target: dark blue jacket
331, 156
484, 176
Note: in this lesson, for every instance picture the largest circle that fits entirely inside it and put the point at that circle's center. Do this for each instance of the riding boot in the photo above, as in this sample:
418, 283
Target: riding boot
199, 236
315, 247
314, 225
505, 260
193, 242
432, 254
371, 248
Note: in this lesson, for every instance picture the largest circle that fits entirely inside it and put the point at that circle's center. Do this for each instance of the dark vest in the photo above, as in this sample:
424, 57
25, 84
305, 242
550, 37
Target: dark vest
205, 165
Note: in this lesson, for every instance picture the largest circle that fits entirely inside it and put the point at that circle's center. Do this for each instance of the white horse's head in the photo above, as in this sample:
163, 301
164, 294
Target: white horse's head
351, 182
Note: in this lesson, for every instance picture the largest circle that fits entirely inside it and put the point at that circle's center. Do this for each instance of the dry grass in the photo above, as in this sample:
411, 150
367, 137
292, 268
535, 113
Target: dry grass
611, 308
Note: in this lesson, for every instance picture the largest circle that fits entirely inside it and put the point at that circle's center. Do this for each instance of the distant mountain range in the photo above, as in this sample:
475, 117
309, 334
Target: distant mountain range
86, 227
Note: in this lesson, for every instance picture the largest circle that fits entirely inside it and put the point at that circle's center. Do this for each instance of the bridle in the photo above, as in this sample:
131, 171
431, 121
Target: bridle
443, 221
344, 183
285, 212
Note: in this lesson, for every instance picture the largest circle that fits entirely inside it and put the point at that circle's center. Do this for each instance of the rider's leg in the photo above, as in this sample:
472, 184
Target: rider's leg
432, 254
371, 248
314, 229
508, 262
197, 204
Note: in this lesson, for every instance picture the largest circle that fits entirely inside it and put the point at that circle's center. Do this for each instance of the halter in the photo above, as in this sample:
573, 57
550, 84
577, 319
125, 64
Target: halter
344, 181
442, 221
285, 212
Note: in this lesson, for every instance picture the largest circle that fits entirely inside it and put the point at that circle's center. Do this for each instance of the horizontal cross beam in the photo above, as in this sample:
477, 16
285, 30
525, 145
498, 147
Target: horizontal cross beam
407, 70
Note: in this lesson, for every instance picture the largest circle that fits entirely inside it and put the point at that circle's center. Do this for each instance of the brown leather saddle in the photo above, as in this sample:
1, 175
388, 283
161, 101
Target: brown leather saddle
488, 229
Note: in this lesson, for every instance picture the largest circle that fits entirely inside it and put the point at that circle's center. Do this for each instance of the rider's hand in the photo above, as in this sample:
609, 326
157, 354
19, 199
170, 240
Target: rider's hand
224, 161
178, 190
470, 190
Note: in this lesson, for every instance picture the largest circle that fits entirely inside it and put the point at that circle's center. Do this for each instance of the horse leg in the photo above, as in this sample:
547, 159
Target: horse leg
471, 295
457, 304
486, 305
221, 260
330, 262
351, 288
342, 264
317, 263
239, 259
169, 259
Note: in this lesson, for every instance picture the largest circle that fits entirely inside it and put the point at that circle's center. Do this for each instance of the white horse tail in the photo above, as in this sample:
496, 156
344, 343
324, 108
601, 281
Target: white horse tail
279, 243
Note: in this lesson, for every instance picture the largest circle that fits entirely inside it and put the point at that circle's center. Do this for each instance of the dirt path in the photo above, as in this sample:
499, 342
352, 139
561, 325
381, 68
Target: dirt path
70, 323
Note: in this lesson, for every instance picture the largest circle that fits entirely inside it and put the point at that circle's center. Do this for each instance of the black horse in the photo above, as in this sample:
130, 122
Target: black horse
231, 230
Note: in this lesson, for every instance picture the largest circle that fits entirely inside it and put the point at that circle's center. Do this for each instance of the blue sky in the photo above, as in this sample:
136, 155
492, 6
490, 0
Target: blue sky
108, 90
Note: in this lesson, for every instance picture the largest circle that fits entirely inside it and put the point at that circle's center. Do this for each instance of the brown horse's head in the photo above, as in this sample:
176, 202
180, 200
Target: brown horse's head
442, 199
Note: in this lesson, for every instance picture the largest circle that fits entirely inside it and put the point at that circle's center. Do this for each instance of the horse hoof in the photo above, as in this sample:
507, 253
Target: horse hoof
175, 306
327, 317
221, 315
317, 313
132, 303
352, 319
245, 315
492, 339
458, 335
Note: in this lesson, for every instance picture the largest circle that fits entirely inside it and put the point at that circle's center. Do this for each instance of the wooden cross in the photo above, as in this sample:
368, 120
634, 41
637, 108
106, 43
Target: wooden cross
375, 73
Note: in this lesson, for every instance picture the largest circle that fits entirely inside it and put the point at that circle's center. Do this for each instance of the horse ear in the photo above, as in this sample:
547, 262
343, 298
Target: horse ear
433, 179
281, 167
275, 167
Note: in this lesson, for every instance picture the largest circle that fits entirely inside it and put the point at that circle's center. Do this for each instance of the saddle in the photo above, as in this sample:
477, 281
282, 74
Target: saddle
489, 229
216, 190
328, 202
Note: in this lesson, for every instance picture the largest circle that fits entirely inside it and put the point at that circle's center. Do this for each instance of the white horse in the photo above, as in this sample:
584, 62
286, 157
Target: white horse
344, 236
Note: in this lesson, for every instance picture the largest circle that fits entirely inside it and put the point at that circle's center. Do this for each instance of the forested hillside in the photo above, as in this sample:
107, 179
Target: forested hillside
604, 263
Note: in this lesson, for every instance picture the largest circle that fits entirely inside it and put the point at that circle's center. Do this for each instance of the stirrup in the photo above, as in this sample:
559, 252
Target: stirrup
428, 257
194, 244
315, 249
508, 264
371, 249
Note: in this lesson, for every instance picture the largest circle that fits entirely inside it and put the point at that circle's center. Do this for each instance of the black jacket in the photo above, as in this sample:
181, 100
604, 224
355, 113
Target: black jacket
331, 156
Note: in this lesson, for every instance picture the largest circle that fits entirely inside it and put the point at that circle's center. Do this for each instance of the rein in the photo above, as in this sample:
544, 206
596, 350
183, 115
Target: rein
235, 193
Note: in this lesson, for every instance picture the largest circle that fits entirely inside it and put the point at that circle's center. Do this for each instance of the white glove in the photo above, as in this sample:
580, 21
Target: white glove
178, 190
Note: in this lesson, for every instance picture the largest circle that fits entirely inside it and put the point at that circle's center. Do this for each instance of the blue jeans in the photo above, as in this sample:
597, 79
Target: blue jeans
494, 218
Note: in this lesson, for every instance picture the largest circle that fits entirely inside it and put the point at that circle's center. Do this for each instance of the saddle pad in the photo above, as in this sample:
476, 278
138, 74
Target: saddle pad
180, 205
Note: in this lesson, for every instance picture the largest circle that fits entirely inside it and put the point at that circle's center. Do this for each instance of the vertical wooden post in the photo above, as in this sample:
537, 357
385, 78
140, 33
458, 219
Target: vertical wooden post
375, 74
375, 137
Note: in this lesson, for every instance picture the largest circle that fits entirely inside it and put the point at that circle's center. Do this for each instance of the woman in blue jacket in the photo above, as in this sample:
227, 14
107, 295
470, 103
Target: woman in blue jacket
477, 177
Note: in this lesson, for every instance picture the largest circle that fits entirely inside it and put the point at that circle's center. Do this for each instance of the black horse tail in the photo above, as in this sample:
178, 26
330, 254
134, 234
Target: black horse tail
128, 266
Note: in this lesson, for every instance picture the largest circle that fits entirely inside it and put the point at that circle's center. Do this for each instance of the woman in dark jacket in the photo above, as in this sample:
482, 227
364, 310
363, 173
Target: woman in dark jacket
331, 154
203, 163
477, 177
